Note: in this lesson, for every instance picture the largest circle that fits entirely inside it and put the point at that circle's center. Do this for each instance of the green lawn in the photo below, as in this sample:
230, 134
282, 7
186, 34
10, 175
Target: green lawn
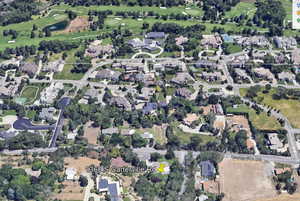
30, 93
261, 121
82, 10
8, 112
185, 138
66, 73
289, 108
242, 8
234, 48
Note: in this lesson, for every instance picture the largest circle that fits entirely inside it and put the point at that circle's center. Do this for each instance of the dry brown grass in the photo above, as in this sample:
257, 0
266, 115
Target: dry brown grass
71, 191
91, 133
81, 163
78, 24
245, 180
282, 197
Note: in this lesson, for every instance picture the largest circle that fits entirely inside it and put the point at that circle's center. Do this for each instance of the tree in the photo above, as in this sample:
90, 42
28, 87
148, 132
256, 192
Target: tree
83, 181
32, 35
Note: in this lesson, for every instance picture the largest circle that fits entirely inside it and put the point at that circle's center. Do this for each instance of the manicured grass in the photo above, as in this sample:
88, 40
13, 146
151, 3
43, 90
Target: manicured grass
30, 114
234, 48
81, 10
260, 121
246, 8
8, 112
30, 93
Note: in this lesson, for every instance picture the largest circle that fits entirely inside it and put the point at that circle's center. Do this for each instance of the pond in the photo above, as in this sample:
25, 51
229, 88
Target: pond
58, 26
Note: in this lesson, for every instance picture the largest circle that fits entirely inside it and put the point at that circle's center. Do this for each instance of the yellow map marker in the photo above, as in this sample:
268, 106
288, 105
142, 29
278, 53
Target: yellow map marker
161, 168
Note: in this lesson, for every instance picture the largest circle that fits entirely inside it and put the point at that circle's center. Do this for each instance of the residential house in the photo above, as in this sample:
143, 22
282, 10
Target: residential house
190, 118
285, 42
296, 56
182, 78
49, 94
208, 169
274, 142
118, 163
108, 74
286, 76
150, 108
127, 131
146, 94
219, 123
136, 43
180, 40
241, 74
206, 64
217, 109
212, 76
259, 41
70, 173
95, 49
213, 41
29, 68
183, 92
120, 102
112, 188
54, 66
155, 35
109, 131
7, 134
264, 74
47, 113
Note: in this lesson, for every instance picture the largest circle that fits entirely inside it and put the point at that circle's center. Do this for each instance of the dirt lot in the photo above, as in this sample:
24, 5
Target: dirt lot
81, 163
91, 133
245, 180
72, 191
78, 24
283, 197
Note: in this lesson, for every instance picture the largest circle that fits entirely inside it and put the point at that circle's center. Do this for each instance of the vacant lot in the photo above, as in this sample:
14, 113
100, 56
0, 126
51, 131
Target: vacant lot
283, 197
158, 133
80, 164
260, 121
245, 180
78, 24
286, 106
91, 134
72, 191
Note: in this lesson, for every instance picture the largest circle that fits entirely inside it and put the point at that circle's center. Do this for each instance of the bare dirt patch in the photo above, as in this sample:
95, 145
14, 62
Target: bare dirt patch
245, 180
71, 191
81, 163
283, 197
91, 133
78, 24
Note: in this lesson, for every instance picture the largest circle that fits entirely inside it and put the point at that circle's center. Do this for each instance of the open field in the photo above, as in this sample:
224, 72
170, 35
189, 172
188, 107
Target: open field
158, 133
72, 191
91, 134
282, 197
81, 163
245, 180
286, 106
66, 72
261, 121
